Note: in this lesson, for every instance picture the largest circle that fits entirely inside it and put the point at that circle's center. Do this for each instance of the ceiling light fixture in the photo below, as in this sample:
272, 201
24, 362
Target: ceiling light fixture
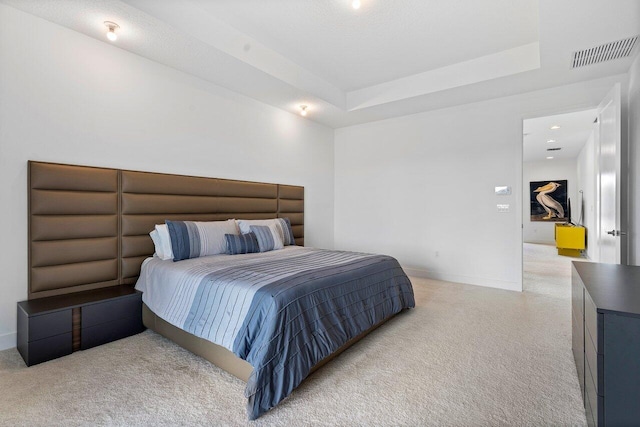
355, 4
111, 34
550, 158
554, 127
303, 110
551, 141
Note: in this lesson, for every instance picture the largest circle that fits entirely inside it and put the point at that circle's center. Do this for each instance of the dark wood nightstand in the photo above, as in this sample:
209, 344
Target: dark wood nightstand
56, 326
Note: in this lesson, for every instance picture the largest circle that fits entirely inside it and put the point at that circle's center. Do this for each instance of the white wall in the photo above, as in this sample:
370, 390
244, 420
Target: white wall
68, 98
587, 180
634, 162
555, 169
421, 187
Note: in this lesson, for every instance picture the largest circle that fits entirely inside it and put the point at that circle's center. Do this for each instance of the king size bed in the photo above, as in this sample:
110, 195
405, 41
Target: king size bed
270, 316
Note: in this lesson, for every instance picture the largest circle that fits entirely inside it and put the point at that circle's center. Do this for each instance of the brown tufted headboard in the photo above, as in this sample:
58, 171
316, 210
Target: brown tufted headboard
89, 227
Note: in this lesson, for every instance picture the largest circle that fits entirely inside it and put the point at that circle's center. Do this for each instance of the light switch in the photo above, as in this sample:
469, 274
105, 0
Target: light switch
503, 207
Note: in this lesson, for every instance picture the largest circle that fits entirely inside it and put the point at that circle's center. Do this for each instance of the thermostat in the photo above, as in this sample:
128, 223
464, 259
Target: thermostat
503, 191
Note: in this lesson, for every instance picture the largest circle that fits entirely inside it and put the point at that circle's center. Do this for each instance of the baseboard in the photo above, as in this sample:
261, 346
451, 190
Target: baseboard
8, 341
467, 280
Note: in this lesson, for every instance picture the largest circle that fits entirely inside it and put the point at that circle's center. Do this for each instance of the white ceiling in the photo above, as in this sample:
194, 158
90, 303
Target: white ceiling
383, 40
387, 59
575, 129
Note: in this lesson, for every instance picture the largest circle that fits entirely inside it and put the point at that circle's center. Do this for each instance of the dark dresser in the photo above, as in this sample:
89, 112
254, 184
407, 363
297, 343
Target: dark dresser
56, 326
605, 307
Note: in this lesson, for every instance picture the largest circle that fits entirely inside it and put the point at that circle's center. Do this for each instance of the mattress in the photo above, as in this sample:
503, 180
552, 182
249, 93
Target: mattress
281, 311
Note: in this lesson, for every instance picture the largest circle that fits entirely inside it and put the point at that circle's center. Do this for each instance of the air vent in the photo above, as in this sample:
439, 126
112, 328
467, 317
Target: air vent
554, 149
605, 52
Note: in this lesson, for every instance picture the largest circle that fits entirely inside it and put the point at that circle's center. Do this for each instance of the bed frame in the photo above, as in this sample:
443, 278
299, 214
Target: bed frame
218, 355
89, 228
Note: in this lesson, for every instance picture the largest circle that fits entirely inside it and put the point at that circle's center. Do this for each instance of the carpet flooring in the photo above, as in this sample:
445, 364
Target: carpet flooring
465, 356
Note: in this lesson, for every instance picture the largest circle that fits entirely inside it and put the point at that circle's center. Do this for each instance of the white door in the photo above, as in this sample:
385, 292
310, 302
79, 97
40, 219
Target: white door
610, 233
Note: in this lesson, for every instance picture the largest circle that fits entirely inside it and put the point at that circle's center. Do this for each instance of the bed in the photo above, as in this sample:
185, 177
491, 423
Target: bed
89, 228
283, 311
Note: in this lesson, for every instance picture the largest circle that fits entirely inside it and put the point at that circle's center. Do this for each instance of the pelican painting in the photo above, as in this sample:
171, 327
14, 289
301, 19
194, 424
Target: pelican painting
548, 200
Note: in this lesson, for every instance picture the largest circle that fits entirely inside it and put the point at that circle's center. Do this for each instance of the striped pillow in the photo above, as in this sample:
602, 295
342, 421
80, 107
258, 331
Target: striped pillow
268, 237
190, 239
288, 232
283, 225
241, 243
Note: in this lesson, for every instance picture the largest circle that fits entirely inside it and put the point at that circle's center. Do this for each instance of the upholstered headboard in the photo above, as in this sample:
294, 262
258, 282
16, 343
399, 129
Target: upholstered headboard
89, 227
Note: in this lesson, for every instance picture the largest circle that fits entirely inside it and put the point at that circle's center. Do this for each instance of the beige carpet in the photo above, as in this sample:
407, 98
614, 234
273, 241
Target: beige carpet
466, 356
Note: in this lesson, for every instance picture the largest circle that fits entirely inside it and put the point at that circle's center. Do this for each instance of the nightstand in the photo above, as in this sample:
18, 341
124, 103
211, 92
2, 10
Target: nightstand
56, 326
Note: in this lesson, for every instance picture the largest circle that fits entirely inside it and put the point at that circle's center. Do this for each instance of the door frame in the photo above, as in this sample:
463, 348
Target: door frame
552, 111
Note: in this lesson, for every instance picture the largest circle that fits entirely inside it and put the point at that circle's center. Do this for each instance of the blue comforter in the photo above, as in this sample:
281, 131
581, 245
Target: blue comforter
282, 313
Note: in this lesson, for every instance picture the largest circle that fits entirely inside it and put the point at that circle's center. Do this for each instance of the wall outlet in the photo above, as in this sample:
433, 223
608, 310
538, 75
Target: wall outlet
503, 207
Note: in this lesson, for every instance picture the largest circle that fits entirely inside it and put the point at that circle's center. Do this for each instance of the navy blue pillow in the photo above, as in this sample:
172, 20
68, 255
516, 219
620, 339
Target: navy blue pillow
241, 243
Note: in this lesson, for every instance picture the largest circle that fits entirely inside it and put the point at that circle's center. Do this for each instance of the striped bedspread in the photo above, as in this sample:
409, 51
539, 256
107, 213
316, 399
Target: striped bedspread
281, 311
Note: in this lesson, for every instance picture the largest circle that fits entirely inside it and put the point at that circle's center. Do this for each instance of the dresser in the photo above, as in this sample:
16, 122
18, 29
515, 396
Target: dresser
605, 307
56, 326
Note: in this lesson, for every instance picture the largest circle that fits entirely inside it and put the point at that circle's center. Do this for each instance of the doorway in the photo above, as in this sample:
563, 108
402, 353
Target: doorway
587, 218
559, 184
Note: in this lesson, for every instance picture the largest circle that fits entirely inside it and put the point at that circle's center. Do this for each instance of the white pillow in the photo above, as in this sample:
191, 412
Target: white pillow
156, 242
212, 240
164, 250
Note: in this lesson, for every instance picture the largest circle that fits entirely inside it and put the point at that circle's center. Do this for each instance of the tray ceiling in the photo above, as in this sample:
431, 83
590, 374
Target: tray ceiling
387, 59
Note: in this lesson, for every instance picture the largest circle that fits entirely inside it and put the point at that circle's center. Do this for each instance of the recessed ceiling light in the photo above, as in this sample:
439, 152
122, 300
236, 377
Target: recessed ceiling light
549, 157
111, 33
355, 4
551, 141
554, 127
303, 110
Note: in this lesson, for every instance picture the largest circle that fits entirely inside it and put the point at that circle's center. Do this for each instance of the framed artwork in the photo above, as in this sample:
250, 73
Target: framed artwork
549, 200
